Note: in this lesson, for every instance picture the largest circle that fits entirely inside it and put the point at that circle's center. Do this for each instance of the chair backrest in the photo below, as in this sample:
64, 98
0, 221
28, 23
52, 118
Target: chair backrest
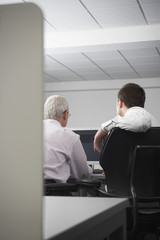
145, 172
116, 157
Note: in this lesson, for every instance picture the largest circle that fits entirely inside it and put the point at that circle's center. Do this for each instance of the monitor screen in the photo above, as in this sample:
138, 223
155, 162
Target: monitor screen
87, 138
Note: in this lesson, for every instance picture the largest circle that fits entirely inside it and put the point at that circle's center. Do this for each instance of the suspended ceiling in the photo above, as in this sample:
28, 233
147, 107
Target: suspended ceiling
100, 39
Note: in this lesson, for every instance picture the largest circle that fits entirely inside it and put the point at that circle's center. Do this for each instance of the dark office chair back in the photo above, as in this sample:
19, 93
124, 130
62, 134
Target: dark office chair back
145, 175
144, 215
116, 157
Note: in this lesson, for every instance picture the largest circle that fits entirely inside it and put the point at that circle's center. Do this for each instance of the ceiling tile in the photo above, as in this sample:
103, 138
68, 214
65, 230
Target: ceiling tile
59, 72
95, 76
67, 15
103, 55
55, 7
119, 68
92, 70
82, 65
70, 78
152, 12
75, 21
111, 62
70, 57
48, 78
49, 63
147, 67
101, 4
117, 17
123, 75
141, 52
64, 75
144, 60
11, 1
150, 74
148, 1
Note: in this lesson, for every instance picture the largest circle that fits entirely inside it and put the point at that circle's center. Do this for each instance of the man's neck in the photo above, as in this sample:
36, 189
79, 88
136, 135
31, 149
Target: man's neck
124, 110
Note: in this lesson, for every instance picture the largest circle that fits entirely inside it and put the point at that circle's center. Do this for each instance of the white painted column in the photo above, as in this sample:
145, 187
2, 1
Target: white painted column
21, 47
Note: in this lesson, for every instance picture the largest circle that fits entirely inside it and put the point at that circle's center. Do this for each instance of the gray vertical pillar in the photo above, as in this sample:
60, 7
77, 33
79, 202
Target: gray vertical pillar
21, 49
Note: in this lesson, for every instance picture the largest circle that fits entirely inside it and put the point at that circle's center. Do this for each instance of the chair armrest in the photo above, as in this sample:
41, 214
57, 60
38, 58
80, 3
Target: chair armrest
88, 183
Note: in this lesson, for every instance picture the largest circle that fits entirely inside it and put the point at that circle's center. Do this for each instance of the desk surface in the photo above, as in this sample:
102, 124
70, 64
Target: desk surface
64, 213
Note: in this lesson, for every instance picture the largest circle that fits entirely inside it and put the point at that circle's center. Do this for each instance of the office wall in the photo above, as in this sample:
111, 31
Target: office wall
21, 122
94, 102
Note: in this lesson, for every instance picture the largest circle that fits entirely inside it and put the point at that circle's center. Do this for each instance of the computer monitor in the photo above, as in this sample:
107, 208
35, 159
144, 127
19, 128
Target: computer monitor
87, 138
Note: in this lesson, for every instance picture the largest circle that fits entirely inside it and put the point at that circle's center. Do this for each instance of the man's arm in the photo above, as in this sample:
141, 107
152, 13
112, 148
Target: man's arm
99, 137
78, 162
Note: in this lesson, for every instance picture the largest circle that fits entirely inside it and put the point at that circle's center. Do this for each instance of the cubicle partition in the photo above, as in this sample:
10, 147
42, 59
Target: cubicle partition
21, 51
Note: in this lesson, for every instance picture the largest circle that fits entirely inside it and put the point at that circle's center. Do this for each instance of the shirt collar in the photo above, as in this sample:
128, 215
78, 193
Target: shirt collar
53, 121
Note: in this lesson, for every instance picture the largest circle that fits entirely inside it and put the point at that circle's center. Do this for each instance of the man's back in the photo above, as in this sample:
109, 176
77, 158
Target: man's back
63, 153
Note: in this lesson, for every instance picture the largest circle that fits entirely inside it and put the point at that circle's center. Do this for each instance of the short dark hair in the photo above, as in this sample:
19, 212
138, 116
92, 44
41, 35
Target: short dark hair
132, 95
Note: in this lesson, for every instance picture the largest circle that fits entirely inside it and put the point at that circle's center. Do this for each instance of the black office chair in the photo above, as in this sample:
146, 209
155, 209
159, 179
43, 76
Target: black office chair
59, 189
73, 187
51, 188
125, 158
145, 189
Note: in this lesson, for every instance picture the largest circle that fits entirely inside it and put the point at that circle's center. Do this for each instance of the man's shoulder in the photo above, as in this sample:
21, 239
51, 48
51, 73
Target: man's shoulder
138, 112
70, 133
135, 109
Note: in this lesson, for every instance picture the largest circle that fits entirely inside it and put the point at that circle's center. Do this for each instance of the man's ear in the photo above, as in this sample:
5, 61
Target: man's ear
65, 115
120, 103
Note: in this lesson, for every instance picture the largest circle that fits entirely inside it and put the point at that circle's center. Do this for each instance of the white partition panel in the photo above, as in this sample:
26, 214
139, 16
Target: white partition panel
21, 122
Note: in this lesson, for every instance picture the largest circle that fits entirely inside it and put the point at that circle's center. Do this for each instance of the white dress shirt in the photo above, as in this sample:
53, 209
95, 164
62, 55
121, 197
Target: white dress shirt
136, 119
64, 155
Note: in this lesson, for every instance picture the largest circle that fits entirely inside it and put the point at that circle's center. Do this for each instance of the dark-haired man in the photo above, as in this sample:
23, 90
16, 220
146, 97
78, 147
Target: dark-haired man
131, 114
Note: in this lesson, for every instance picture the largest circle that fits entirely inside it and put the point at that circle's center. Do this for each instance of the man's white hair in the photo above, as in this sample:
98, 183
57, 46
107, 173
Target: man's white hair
54, 107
